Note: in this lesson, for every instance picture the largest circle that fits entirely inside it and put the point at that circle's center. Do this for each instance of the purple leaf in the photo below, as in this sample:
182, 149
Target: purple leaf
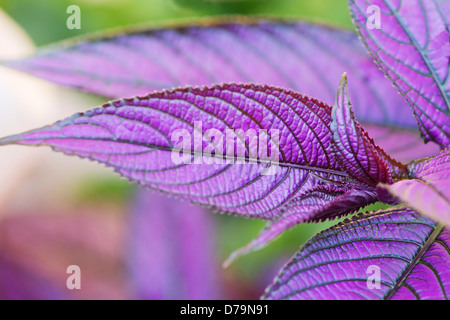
171, 250
428, 192
352, 148
138, 138
293, 55
392, 254
411, 45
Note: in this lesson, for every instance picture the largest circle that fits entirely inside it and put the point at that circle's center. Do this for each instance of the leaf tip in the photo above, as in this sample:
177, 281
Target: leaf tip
12, 139
343, 81
342, 91
233, 256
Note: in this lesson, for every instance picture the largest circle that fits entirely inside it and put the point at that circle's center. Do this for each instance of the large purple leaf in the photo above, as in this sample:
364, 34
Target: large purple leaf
305, 57
428, 191
410, 252
411, 45
137, 137
172, 250
354, 150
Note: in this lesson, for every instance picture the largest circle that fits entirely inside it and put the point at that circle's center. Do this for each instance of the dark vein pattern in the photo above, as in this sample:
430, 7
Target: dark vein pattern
430, 279
352, 148
307, 58
136, 138
409, 251
412, 47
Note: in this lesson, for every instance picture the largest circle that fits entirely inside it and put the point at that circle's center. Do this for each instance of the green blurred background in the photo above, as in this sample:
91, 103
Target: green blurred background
45, 22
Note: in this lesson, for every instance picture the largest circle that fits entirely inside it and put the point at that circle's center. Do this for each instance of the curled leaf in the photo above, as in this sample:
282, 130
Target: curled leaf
355, 152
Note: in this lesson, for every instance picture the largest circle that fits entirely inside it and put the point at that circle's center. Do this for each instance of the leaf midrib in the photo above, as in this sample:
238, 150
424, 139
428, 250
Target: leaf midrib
415, 261
193, 153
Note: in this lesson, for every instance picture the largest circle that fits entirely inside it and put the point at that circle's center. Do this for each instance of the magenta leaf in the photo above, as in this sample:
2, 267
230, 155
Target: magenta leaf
392, 254
352, 148
164, 141
288, 54
173, 141
428, 191
172, 250
411, 45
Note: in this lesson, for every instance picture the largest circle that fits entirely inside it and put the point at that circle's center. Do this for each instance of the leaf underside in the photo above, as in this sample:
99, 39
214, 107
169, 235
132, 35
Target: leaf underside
134, 136
287, 54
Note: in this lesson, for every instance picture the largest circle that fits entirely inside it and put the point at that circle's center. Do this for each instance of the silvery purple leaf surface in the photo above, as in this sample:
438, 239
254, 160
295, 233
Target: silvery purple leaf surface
241, 149
262, 151
179, 142
305, 57
391, 254
428, 190
171, 249
410, 42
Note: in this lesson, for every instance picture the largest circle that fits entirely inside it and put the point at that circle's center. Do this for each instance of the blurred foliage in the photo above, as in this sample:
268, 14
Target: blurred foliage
113, 189
45, 22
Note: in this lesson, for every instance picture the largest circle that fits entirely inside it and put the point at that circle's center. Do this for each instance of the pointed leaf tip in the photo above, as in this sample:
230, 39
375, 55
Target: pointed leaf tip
343, 88
343, 81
